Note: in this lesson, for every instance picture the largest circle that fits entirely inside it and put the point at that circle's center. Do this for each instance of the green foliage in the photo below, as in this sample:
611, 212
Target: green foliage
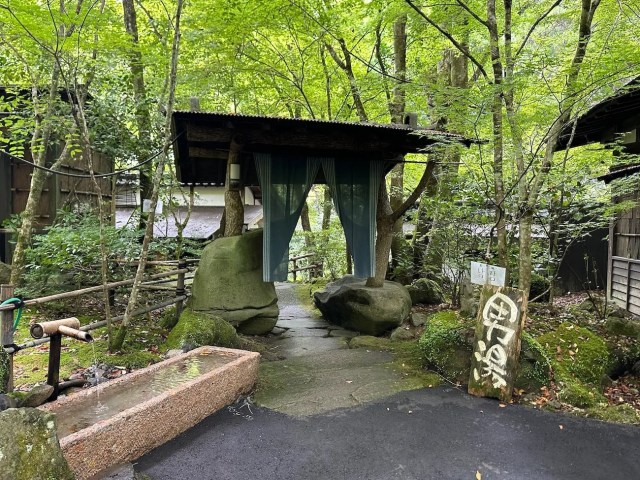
445, 346
68, 255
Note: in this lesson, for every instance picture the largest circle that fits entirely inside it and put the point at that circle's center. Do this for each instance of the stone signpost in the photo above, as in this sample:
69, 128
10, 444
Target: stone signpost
494, 363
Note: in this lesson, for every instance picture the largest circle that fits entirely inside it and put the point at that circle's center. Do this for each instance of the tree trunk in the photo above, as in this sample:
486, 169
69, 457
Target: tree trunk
143, 118
384, 237
233, 207
397, 108
498, 135
39, 147
327, 205
306, 226
524, 255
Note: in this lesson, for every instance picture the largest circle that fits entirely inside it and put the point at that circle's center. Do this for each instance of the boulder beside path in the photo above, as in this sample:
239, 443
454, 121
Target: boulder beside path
228, 284
369, 310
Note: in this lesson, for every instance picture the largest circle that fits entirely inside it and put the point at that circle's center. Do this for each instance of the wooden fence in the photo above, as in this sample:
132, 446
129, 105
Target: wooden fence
151, 282
306, 262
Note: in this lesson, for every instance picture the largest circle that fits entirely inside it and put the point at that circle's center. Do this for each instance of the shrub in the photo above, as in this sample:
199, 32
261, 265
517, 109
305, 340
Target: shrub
69, 253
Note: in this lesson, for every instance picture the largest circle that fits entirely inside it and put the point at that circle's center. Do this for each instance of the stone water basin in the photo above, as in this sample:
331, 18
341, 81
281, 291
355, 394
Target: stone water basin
121, 420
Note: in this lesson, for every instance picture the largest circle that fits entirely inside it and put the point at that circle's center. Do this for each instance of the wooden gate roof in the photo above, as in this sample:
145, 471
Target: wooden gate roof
204, 139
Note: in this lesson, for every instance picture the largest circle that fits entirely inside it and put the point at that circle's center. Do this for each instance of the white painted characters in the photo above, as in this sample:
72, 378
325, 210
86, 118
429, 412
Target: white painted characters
498, 313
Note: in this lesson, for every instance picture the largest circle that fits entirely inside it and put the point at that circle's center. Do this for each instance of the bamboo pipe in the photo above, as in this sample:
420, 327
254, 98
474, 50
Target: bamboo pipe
73, 333
39, 330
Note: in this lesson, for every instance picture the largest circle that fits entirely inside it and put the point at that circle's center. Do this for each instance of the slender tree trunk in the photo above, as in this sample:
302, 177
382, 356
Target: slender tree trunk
498, 135
327, 206
233, 207
118, 340
39, 148
143, 118
397, 109
384, 237
306, 226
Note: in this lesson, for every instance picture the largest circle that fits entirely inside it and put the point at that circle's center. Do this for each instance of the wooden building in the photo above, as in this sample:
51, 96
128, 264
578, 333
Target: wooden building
59, 191
617, 119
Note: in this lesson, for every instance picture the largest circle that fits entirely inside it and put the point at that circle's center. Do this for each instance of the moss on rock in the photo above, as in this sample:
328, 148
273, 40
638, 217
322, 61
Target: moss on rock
578, 352
29, 447
196, 329
580, 396
446, 346
534, 369
624, 413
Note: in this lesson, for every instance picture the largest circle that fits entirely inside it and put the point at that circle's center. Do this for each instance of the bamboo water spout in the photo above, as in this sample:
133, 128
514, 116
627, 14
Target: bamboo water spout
55, 329
69, 327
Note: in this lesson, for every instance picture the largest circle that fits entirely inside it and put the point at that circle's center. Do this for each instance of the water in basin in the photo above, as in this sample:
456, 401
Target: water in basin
125, 395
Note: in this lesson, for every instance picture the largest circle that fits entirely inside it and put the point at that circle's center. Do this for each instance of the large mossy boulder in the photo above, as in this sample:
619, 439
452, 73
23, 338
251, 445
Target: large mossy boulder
228, 283
369, 310
446, 346
197, 329
576, 352
29, 446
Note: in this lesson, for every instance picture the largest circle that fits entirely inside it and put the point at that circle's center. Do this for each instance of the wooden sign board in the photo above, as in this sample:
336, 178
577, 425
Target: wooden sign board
494, 362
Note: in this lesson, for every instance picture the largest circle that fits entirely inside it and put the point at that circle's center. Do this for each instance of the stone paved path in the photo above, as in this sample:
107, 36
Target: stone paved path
319, 372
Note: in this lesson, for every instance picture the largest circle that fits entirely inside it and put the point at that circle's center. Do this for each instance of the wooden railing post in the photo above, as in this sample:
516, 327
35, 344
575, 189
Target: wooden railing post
182, 264
6, 359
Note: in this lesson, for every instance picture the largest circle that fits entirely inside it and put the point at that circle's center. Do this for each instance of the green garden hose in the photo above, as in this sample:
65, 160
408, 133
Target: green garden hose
16, 301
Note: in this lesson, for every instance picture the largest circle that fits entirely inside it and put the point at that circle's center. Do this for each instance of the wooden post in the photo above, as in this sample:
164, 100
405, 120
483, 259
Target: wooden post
494, 363
6, 359
611, 253
182, 264
53, 374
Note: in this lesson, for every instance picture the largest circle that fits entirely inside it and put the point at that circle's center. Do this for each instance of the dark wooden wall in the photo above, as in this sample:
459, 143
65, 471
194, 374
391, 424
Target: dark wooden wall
59, 191
624, 258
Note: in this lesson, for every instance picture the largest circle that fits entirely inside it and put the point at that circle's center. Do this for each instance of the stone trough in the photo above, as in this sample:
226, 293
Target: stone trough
123, 419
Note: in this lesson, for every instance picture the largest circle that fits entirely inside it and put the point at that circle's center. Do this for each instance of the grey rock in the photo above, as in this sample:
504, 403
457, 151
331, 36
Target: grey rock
228, 283
30, 447
36, 396
418, 319
260, 325
7, 401
368, 310
469, 298
174, 352
401, 334
339, 332
425, 291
